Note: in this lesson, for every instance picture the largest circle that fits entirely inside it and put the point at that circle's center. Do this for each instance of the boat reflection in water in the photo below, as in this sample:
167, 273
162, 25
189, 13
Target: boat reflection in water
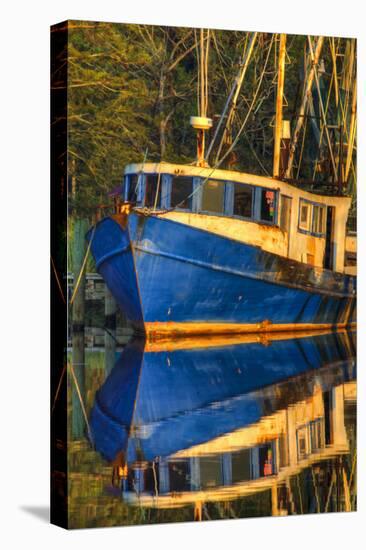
202, 421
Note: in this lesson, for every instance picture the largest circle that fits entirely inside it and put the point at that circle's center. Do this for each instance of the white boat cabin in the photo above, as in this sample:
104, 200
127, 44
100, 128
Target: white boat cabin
262, 211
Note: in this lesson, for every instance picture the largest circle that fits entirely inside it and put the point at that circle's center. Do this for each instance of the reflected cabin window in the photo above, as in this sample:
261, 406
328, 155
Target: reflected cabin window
210, 472
182, 188
132, 188
318, 219
153, 190
317, 434
243, 200
268, 203
213, 196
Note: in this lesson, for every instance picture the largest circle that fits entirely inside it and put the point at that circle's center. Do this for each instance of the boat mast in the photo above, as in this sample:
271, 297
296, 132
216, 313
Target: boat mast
201, 123
279, 102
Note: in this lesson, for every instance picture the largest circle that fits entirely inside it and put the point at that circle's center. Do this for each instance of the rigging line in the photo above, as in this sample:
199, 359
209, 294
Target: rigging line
81, 401
58, 388
322, 128
308, 81
256, 156
233, 96
302, 144
82, 267
220, 161
250, 108
219, 57
322, 108
58, 281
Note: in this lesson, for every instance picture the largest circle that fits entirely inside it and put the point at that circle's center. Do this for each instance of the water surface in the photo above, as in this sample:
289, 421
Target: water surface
217, 428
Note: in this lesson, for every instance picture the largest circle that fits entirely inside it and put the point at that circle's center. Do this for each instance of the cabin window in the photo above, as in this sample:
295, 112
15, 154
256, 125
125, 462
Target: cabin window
268, 203
179, 475
312, 217
181, 195
241, 466
304, 216
243, 200
210, 472
267, 465
132, 188
318, 219
213, 196
317, 435
302, 442
153, 190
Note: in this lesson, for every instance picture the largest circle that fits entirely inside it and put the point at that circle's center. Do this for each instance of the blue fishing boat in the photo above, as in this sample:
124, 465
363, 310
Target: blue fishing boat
195, 249
210, 420
200, 250
159, 400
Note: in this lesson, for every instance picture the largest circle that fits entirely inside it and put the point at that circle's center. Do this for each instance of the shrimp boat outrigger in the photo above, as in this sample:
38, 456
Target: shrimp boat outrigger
194, 249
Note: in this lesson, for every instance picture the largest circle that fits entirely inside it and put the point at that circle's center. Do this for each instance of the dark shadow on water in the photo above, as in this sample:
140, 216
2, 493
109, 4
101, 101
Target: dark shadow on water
40, 512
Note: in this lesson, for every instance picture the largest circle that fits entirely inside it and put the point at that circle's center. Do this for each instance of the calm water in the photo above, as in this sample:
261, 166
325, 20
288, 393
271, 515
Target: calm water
210, 429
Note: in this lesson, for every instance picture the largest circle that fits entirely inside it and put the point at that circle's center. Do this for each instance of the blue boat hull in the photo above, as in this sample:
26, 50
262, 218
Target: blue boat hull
169, 277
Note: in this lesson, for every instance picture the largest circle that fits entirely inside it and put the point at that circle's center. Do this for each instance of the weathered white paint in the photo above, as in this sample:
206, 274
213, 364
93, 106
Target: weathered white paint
270, 238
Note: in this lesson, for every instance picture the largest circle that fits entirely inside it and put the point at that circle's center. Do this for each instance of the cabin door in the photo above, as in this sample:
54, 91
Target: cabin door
329, 239
285, 217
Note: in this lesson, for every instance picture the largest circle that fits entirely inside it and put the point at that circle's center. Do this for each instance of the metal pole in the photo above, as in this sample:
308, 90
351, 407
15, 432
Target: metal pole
279, 101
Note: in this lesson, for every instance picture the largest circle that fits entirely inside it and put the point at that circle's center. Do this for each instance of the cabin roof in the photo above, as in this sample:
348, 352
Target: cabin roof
235, 176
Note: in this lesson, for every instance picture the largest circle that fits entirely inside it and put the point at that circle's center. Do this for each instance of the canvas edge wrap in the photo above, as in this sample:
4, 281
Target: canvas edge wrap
58, 378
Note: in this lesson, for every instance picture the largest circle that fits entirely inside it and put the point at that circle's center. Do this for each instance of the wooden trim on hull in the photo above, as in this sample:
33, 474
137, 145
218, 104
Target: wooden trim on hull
170, 329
